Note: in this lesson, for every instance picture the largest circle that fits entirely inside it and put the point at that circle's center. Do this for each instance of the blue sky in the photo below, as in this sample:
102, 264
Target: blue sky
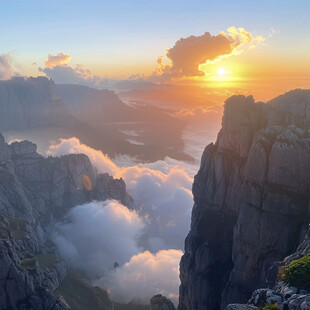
124, 35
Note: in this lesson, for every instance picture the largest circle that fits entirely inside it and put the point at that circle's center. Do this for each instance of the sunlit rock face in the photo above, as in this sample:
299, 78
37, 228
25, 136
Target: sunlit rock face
251, 198
34, 193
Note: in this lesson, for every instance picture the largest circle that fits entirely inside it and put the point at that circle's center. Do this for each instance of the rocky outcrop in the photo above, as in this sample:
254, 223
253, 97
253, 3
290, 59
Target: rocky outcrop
251, 198
160, 302
34, 193
280, 293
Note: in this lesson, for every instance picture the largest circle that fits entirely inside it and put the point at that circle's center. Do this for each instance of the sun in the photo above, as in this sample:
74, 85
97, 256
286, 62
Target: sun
221, 71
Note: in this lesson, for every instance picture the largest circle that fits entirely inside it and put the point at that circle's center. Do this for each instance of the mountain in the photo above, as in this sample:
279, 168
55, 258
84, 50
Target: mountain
35, 192
145, 127
251, 200
39, 110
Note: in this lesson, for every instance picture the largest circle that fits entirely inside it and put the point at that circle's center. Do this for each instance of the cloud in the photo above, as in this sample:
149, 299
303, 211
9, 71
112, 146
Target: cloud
187, 57
95, 235
6, 67
99, 160
188, 53
144, 275
147, 243
58, 69
58, 60
161, 190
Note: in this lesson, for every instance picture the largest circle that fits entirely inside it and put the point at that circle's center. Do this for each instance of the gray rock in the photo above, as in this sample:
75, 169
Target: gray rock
160, 302
34, 193
251, 201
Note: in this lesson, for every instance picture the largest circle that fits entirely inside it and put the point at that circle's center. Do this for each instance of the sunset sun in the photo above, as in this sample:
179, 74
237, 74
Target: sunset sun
221, 71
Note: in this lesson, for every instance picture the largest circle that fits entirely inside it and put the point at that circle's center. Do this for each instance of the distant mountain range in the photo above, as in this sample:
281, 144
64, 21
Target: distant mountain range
37, 109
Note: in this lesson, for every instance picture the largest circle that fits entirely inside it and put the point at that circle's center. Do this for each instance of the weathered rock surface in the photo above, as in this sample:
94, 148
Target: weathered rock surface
251, 198
280, 293
160, 302
34, 193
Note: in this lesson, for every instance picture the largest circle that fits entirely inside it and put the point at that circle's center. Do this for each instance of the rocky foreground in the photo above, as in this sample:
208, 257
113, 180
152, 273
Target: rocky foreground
251, 198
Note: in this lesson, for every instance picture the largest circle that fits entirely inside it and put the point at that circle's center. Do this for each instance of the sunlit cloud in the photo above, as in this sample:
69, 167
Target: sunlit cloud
144, 275
57, 60
190, 56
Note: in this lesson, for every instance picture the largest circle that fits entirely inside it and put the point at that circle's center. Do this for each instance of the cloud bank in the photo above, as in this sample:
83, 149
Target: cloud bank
94, 236
146, 243
161, 190
144, 275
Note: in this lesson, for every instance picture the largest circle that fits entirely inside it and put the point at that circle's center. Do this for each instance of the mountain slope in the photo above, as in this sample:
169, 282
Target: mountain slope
34, 193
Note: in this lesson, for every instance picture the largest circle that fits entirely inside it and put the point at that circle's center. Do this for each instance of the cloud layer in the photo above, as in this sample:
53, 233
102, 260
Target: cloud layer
145, 275
146, 243
161, 190
94, 236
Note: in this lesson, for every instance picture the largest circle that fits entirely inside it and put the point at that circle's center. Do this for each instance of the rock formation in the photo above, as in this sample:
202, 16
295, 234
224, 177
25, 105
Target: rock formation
280, 293
160, 302
251, 200
34, 192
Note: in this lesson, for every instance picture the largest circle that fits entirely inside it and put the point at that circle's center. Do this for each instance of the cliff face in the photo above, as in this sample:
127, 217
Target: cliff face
251, 198
281, 293
35, 192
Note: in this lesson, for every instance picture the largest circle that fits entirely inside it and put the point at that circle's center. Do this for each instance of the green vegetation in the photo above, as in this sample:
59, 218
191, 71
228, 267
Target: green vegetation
80, 295
272, 307
47, 259
297, 273
28, 263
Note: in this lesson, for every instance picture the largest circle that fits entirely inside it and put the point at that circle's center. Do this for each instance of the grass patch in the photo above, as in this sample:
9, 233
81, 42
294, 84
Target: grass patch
28, 263
47, 259
80, 295
272, 307
297, 273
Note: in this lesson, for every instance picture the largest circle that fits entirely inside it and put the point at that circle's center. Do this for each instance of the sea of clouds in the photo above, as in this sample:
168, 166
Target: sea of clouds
132, 253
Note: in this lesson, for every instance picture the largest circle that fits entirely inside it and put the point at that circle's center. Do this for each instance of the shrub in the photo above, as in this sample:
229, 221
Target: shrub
272, 307
297, 273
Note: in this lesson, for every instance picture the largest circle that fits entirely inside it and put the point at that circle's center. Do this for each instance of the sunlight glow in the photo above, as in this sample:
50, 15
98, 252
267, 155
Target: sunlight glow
221, 71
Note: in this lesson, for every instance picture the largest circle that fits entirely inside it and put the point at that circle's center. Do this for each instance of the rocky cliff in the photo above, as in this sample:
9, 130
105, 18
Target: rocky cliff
280, 292
251, 200
34, 192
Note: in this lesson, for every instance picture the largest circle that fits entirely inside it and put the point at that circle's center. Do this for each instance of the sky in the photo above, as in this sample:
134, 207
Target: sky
118, 39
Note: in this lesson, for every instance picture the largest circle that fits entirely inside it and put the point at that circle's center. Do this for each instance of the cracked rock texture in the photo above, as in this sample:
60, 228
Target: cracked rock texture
278, 292
251, 200
34, 193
